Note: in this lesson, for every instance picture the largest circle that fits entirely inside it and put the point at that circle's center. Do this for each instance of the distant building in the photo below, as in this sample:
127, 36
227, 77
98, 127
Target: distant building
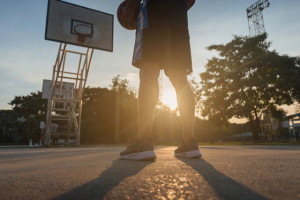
292, 123
286, 129
272, 129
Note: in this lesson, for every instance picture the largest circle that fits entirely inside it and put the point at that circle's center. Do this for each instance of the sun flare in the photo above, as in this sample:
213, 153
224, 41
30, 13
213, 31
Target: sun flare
169, 94
169, 99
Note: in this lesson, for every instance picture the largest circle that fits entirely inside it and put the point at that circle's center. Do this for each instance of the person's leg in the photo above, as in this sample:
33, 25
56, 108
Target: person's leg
186, 104
185, 101
142, 149
147, 99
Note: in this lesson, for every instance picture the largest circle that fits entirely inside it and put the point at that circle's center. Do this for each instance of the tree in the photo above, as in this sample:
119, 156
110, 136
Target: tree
97, 125
33, 108
122, 86
99, 113
245, 80
30, 105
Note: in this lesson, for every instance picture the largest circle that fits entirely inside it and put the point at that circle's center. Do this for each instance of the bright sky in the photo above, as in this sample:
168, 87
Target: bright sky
26, 58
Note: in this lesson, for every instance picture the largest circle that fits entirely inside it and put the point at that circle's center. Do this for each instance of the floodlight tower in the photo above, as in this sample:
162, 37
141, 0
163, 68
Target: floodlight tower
255, 17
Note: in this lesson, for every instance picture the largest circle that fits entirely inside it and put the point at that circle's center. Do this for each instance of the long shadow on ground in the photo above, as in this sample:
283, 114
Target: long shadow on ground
224, 187
96, 189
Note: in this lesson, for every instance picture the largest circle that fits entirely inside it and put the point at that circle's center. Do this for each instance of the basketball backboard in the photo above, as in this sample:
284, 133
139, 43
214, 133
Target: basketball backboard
66, 92
77, 25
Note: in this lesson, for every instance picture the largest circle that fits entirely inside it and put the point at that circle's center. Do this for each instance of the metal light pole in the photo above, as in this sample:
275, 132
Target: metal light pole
117, 118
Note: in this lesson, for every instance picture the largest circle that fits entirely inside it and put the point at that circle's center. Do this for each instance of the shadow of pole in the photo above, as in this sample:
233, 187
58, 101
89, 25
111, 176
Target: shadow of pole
225, 187
96, 189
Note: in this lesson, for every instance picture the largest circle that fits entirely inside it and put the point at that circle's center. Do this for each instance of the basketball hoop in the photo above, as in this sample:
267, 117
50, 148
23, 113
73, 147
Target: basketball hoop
80, 26
83, 31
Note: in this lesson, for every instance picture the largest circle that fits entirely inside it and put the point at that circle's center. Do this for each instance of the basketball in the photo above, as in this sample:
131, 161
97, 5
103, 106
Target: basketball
129, 24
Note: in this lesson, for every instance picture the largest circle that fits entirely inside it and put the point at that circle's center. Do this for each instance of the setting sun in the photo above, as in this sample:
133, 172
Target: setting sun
169, 99
169, 94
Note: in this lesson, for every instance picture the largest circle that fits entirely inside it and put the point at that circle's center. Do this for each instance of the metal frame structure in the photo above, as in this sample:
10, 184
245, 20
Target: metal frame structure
255, 17
270, 127
69, 109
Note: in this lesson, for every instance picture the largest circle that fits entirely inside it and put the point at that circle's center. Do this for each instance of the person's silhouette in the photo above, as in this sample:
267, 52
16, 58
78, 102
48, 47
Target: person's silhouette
162, 42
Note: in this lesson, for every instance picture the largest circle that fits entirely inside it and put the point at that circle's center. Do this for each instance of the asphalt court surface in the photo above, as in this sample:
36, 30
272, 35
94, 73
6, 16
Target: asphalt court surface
224, 172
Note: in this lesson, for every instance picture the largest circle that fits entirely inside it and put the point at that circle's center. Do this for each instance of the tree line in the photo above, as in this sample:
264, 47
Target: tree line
98, 125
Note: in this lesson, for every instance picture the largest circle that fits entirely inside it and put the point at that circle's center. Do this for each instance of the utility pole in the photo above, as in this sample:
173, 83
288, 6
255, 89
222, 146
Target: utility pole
160, 107
255, 17
117, 118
